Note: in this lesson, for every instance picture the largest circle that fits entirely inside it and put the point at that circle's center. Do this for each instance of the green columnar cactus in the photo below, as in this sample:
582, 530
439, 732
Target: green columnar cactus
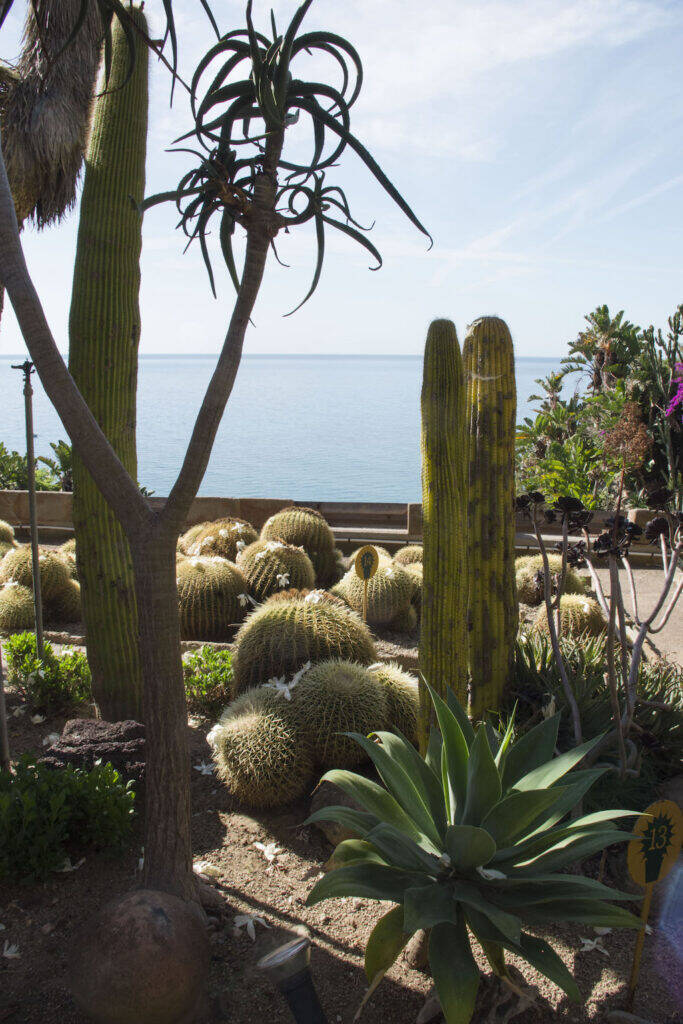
403, 697
272, 565
306, 528
389, 593
410, 555
578, 614
223, 537
212, 596
17, 567
263, 759
16, 608
335, 697
104, 333
6, 533
493, 613
443, 637
278, 639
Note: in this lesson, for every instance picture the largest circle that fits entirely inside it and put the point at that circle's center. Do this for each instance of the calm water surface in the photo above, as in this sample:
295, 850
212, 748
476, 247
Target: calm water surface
328, 428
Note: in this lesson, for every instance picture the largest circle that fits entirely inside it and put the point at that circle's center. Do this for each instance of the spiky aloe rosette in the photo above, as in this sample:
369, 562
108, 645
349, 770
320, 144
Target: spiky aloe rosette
475, 836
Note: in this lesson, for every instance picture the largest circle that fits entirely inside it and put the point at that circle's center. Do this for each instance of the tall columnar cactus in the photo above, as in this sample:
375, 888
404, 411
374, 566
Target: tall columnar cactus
443, 636
492, 618
104, 332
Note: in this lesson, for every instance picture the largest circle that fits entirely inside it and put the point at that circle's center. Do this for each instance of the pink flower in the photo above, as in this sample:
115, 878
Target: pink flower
677, 399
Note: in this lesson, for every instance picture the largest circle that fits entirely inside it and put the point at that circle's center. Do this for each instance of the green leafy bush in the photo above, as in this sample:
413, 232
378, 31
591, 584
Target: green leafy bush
475, 836
48, 815
208, 680
14, 473
50, 684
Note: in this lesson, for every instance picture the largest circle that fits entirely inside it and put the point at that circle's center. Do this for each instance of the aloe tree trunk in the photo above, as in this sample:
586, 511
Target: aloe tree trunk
104, 333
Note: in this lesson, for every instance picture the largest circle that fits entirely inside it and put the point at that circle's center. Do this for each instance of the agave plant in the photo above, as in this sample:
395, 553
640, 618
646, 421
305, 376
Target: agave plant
472, 839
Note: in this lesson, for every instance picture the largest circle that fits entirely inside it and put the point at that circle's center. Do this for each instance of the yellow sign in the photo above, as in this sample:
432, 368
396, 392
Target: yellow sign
366, 562
652, 855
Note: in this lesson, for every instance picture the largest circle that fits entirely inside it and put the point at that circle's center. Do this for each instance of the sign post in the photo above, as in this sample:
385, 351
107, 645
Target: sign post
366, 564
650, 858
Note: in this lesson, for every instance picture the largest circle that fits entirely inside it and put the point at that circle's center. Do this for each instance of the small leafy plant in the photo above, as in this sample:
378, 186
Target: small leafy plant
49, 684
208, 680
48, 814
475, 836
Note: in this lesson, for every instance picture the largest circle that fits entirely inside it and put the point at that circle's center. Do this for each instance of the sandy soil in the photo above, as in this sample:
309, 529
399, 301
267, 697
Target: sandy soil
43, 921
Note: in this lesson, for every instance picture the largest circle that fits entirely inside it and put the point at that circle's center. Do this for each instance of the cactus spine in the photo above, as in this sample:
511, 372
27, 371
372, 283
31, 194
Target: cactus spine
443, 638
104, 333
493, 614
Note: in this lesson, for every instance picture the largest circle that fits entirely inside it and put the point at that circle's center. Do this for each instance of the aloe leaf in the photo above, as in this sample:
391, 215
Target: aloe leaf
358, 237
402, 852
320, 238
533, 749
568, 851
355, 821
483, 781
386, 941
549, 773
425, 906
309, 40
353, 851
422, 777
282, 73
512, 815
454, 756
368, 881
468, 846
374, 799
454, 970
595, 913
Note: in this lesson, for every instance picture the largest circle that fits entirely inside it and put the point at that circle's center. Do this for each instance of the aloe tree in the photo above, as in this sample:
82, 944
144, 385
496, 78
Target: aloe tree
250, 115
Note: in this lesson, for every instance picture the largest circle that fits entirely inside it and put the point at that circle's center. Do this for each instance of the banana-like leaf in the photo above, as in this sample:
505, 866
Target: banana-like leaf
483, 781
374, 799
549, 773
454, 757
368, 881
512, 815
533, 749
454, 971
468, 846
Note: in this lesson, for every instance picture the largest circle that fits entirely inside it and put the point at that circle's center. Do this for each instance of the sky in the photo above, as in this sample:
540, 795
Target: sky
538, 140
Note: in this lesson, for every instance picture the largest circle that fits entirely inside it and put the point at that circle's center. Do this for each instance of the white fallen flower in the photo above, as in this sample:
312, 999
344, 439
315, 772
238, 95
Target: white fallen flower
212, 734
10, 951
204, 768
549, 709
389, 573
206, 868
602, 931
67, 866
282, 688
490, 874
270, 851
313, 598
18, 712
51, 738
245, 599
298, 675
222, 533
248, 921
241, 545
588, 945
445, 861
282, 579
37, 719
237, 527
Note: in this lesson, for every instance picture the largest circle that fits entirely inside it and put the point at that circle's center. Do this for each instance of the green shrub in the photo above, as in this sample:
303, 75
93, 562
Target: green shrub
208, 680
56, 682
48, 814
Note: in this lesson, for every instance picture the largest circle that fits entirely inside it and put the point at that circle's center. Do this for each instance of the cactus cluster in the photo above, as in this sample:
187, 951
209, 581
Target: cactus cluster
578, 614
187, 539
280, 637
212, 597
307, 596
6, 533
416, 573
16, 608
529, 578
306, 528
17, 567
67, 550
224, 537
402, 695
60, 593
493, 616
272, 565
389, 595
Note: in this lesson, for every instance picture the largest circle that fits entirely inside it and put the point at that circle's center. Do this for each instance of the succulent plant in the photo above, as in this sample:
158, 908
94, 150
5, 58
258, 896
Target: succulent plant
306, 528
410, 555
336, 697
67, 550
17, 567
493, 611
187, 539
307, 596
16, 607
281, 636
263, 759
224, 537
6, 533
405, 621
389, 593
66, 607
272, 565
475, 836
578, 614
529, 578
4, 548
403, 697
416, 573
212, 597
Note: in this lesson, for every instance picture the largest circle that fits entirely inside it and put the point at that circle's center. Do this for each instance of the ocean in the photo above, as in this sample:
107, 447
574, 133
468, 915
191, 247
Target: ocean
306, 428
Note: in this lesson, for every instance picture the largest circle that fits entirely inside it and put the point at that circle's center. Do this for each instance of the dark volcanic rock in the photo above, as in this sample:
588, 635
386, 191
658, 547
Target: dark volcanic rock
86, 740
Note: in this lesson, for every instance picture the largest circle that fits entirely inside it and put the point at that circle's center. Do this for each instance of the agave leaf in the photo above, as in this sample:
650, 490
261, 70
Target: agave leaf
508, 924
402, 787
468, 846
353, 851
369, 881
512, 815
542, 888
575, 847
423, 778
576, 787
549, 773
542, 841
433, 755
591, 912
427, 905
461, 716
483, 781
501, 753
533, 749
374, 799
402, 852
454, 970
545, 960
386, 941
454, 756
355, 821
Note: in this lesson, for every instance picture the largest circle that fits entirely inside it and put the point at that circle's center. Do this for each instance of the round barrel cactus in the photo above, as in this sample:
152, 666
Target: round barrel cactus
308, 529
6, 533
280, 637
529, 578
17, 567
224, 537
389, 593
403, 697
409, 555
187, 539
16, 608
578, 615
212, 598
272, 565
67, 607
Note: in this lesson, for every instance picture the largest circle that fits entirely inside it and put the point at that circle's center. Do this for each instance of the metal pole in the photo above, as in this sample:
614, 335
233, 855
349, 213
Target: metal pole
27, 369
